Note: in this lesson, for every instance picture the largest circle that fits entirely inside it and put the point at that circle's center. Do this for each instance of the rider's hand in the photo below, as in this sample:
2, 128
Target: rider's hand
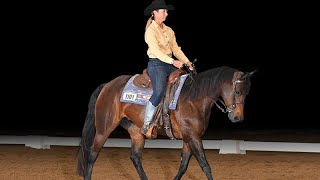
177, 64
190, 65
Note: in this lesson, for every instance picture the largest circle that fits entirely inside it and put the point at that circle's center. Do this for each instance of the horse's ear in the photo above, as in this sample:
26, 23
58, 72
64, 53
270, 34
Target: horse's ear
248, 74
252, 72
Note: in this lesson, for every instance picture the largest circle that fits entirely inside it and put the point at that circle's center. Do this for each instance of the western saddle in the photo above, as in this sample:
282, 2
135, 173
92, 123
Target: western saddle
162, 117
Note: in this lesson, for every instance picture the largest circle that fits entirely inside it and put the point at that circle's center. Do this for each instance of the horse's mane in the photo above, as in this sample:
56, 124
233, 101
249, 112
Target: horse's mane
207, 83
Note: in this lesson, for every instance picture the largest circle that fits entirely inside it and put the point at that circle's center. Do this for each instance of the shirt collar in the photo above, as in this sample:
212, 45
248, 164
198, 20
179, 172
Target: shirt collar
155, 24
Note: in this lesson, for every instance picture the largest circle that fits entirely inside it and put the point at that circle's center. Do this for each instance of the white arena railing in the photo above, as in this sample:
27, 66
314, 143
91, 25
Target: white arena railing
224, 146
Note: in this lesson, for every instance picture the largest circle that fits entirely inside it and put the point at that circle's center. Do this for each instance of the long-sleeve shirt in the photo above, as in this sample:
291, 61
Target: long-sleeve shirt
162, 43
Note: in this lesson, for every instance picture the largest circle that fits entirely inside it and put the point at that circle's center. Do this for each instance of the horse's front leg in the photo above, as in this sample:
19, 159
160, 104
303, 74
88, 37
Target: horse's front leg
196, 147
137, 145
185, 158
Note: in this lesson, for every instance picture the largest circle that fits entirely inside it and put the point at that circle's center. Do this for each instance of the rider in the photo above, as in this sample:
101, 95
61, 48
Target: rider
162, 44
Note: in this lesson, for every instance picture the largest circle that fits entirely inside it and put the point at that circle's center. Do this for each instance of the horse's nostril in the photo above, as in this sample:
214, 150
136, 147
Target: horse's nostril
236, 119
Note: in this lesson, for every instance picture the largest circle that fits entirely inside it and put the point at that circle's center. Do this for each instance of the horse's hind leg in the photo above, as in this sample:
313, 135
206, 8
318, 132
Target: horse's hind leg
97, 145
137, 145
185, 158
196, 147
99, 139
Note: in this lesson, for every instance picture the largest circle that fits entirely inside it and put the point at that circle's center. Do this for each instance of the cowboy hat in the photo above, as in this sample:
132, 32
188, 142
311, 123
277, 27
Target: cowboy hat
157, 4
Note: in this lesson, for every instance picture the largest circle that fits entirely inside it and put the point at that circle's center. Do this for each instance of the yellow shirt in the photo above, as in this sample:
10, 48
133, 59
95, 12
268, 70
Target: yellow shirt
162, 43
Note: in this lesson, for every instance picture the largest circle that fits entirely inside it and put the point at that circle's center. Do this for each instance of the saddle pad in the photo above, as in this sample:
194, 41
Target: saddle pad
136, 95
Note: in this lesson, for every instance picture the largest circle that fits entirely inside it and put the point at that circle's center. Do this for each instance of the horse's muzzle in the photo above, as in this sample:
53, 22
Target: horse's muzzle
233, 118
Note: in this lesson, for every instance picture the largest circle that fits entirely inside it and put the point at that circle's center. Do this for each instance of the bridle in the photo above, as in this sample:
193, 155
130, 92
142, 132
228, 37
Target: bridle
226, 109
232, 107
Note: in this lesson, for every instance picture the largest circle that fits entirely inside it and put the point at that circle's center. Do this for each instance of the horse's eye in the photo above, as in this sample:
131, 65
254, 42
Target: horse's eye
238, 92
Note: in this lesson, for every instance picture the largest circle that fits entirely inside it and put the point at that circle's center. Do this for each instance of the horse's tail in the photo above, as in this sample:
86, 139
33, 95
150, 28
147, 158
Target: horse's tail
88, 133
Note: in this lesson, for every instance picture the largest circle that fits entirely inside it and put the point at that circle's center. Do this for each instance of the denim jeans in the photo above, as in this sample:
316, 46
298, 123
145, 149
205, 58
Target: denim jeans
158, 72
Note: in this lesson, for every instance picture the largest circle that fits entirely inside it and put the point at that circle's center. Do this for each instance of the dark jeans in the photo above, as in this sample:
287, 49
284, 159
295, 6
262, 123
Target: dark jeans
158, 72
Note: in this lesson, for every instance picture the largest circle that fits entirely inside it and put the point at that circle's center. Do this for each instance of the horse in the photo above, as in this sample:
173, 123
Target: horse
189, 120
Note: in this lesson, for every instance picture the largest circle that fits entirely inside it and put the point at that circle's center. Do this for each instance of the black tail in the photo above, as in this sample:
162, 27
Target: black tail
88, 133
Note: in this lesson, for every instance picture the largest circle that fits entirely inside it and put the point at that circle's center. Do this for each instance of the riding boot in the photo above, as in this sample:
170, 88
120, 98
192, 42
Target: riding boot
148, 117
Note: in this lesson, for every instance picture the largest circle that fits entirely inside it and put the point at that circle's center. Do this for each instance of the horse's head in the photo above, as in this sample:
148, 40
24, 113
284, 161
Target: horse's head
234, 95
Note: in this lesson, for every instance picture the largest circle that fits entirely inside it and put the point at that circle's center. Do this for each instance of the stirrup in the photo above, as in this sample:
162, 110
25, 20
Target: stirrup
150, 131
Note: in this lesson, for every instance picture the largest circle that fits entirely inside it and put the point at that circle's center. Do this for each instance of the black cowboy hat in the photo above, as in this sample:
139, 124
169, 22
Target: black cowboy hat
157, 4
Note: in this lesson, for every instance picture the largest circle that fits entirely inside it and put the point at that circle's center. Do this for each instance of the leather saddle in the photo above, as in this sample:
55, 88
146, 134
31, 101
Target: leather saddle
161, 118
143, 80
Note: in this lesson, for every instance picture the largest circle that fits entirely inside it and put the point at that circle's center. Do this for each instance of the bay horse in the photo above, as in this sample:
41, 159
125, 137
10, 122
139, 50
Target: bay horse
189, 120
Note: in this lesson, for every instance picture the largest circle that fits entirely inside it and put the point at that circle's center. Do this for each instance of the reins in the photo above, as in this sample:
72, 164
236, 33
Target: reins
224, 111
190, 72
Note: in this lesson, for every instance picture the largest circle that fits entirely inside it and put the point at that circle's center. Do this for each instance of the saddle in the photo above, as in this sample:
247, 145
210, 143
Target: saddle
143, 80
162, 117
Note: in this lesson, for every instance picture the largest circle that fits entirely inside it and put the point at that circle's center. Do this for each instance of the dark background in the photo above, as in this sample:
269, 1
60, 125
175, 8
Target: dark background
67, 50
